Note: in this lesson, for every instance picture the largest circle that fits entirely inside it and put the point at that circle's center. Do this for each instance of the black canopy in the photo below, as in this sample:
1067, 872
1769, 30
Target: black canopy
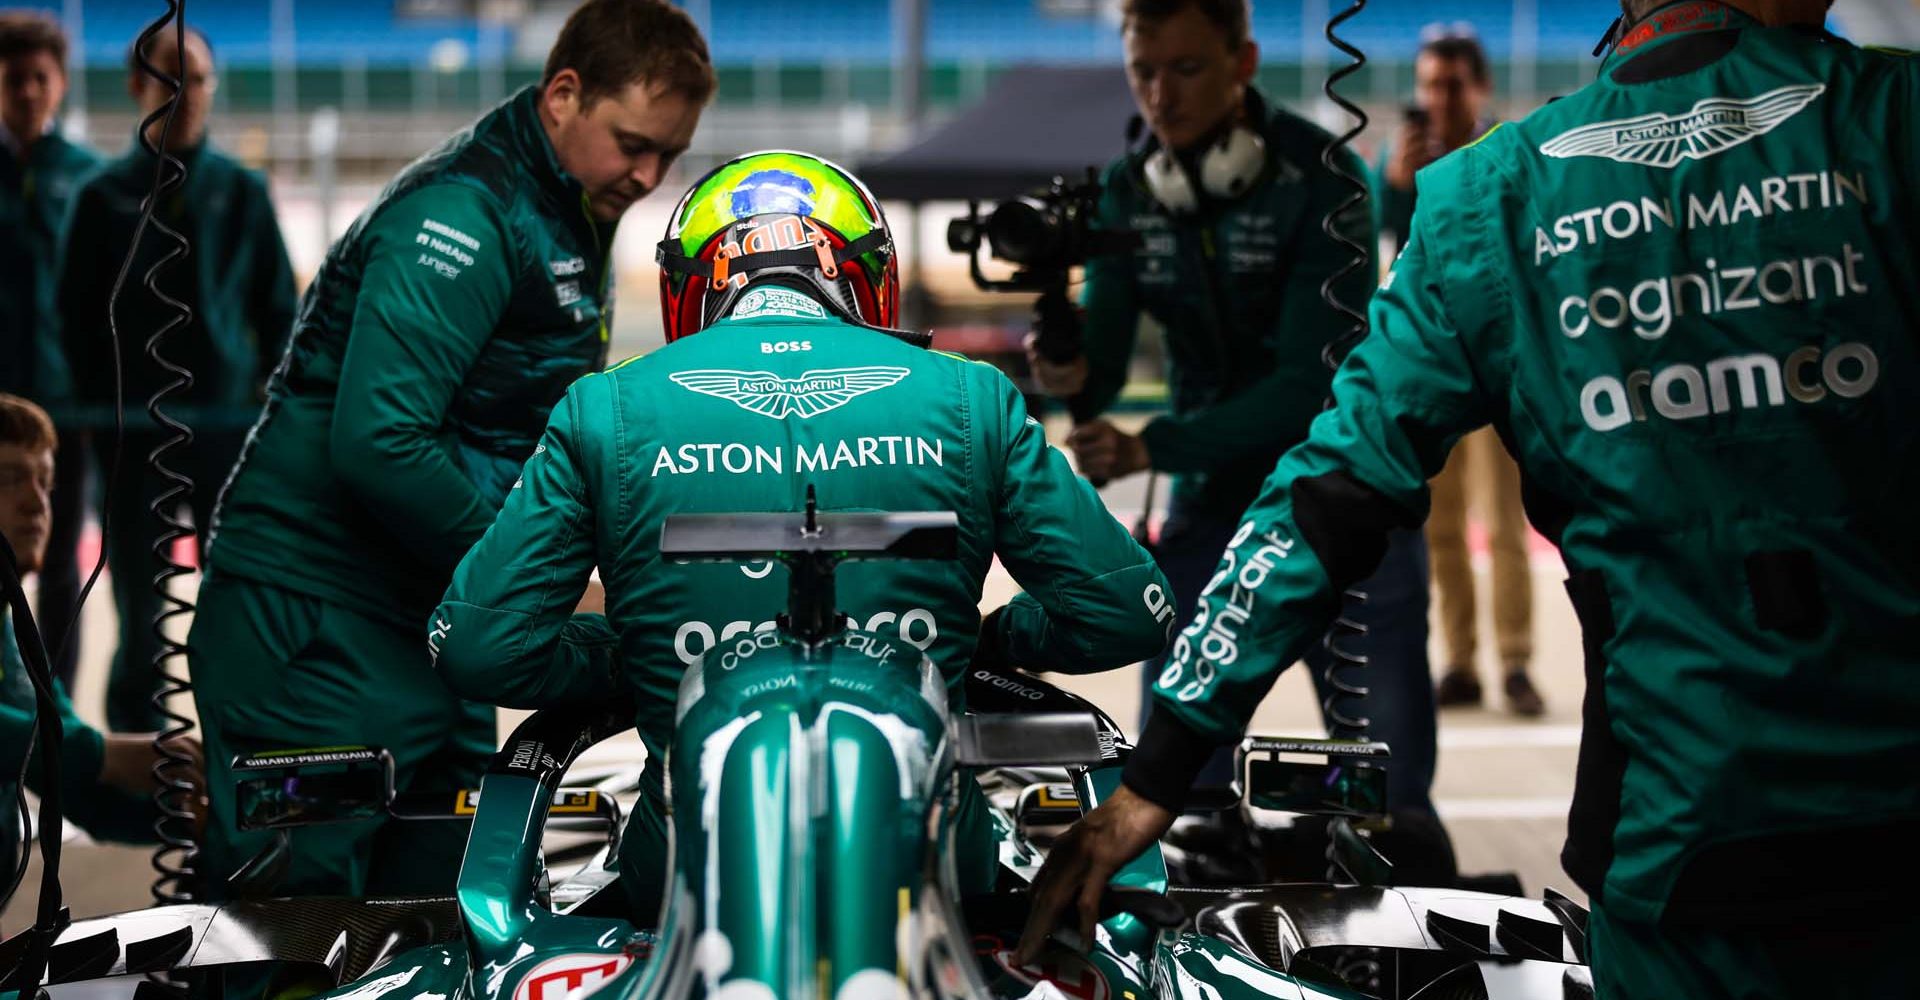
1034, 122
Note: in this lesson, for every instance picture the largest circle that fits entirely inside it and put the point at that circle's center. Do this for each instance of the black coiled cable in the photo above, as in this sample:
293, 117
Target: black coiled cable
173, 860
1340, 724
1344, 689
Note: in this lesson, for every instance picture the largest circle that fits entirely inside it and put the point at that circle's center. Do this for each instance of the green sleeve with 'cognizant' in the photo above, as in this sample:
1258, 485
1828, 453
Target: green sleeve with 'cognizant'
1402, 399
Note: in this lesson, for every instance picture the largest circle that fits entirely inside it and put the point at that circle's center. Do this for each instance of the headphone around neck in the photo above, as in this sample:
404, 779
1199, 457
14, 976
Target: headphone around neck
1221, 168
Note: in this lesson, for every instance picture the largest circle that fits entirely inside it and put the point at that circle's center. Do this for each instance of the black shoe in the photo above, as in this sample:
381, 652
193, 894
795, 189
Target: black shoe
1522, 699
1457, 687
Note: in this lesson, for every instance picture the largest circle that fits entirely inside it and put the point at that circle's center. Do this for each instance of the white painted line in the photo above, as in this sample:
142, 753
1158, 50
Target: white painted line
1545, 807
1500, 737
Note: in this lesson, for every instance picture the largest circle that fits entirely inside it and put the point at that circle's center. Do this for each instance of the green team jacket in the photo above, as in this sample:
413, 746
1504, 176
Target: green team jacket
1236, 288
428, 352
34, 198
236, 280
107, 813
744, 417
1684, 296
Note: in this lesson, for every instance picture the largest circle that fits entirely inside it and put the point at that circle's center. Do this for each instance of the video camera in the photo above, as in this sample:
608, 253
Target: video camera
1045, 236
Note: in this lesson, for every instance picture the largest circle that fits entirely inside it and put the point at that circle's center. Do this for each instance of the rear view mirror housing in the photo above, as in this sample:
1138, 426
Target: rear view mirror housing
1314, 777
293, 788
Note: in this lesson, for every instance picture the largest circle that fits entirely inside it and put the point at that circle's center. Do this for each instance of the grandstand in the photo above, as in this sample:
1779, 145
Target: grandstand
396, 76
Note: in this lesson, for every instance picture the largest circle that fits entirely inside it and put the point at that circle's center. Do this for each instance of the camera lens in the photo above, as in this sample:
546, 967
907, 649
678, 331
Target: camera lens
1021, 233
962, 236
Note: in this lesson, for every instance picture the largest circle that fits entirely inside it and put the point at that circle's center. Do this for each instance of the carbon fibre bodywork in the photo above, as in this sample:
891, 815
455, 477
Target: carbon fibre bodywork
814, 789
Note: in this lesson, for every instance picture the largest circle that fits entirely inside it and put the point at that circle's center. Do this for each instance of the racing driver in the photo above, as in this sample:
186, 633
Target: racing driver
1684, 297
785, 266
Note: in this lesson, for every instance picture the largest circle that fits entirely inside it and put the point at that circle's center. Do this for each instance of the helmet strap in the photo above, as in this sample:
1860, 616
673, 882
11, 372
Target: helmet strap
724, 267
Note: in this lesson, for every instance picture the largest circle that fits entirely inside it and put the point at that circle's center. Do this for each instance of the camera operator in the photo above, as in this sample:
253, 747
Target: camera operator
1452, 86
1227, 197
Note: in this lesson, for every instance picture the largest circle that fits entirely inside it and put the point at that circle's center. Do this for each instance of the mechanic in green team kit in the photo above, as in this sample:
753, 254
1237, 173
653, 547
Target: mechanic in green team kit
1684, 298
437, 336
784, 265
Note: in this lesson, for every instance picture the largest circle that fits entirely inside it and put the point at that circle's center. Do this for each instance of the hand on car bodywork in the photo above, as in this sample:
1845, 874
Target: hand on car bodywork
1084, 859
1105, 452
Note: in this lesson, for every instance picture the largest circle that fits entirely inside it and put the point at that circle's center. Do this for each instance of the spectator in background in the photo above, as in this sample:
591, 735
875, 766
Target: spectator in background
39, 171
1451, 93
238, 288
105, 779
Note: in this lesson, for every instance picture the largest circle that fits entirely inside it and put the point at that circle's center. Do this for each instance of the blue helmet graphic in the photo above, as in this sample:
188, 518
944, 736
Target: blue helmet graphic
773, 192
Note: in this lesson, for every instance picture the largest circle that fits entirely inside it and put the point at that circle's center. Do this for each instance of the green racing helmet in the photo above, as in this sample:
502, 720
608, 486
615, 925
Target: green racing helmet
777, 217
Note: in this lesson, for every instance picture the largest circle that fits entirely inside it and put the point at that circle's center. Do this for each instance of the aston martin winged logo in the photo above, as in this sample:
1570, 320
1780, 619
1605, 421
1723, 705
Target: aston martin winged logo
1661, 140
813, 392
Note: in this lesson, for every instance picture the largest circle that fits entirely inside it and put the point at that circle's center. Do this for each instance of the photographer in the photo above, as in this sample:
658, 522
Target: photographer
1452, 86
1228, 197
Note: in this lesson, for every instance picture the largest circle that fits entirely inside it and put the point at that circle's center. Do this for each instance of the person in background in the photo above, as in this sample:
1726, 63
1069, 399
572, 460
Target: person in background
40, 168
1452, 94
238, 287
1229, 195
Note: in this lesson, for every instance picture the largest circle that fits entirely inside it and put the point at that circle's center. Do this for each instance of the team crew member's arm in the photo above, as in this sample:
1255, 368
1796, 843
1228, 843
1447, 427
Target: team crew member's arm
1093, 598
437, 280
106, 812
1403, 398
82, 284
1112, 320
506, 633
1277, 409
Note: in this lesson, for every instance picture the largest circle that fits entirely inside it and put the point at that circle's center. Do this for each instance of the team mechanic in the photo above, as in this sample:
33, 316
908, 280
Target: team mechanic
1229, 195
435, 339
1682, 297
792, 384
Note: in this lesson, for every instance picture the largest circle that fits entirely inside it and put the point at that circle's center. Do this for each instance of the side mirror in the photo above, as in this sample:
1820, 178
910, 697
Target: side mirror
1314, 777
289, 788
1040, 739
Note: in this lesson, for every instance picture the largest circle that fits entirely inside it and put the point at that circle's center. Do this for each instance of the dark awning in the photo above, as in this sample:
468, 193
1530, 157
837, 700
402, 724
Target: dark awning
1034, 122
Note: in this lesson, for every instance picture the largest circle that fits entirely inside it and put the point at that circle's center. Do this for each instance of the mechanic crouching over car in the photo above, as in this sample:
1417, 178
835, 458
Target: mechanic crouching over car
433, 342
784, 265
1714, 398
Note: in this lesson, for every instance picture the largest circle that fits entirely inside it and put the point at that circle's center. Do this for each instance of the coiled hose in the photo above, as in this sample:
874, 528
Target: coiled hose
173, 860
1345, 689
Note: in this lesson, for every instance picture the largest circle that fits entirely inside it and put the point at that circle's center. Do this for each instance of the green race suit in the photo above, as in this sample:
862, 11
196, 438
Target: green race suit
1237, 289
1684, 296
744, 417
238, 287
425, 358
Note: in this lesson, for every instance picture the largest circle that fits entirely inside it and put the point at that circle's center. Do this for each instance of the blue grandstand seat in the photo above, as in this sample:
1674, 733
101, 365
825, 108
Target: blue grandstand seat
860, 31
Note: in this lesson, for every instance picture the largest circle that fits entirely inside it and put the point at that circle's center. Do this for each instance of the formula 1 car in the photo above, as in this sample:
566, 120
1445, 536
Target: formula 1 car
814, 776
